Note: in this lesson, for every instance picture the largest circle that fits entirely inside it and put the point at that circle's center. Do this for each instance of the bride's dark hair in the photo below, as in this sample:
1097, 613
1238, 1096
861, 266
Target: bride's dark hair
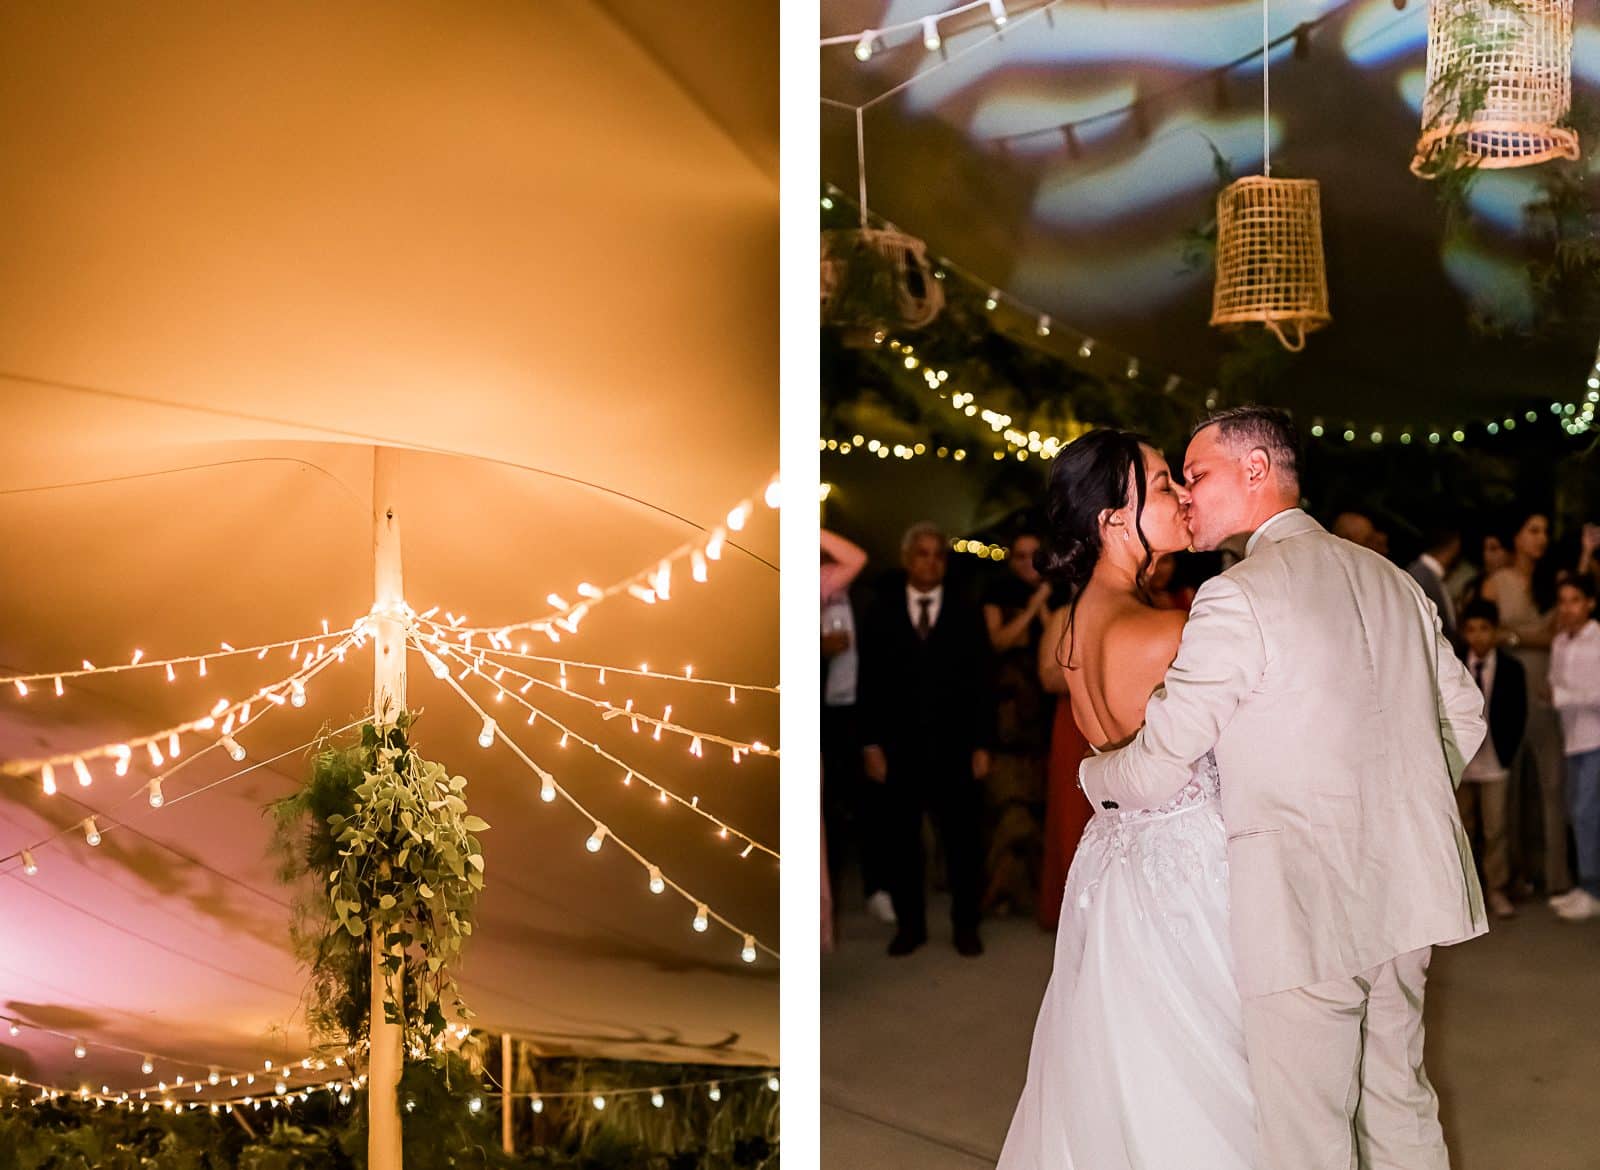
1092, 474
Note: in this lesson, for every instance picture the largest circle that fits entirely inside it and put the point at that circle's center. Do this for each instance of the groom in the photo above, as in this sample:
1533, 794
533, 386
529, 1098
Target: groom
1341, 722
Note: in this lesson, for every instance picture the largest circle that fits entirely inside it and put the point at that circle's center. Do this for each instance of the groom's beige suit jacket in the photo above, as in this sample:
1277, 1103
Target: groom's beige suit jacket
1341, 722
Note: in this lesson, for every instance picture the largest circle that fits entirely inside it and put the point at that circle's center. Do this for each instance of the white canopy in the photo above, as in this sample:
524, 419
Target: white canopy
533, 246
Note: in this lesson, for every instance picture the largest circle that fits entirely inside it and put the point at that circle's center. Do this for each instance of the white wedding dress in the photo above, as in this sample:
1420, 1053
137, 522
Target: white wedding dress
1138, 1057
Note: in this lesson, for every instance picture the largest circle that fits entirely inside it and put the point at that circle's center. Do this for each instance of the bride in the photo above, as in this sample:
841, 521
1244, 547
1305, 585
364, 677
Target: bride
1138, 1058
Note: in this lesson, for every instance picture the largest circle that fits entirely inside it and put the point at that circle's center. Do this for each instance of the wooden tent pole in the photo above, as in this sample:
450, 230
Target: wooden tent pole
388, 700
507, 1072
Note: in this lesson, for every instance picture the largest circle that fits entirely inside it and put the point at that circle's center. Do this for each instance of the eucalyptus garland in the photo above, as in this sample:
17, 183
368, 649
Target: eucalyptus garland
389, 842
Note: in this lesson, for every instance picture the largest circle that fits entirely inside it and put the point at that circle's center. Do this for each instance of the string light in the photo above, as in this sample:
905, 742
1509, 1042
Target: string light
91, 832
156, 797
596, 839
547, 791
486, 736
703, 913
29, 867
138, 663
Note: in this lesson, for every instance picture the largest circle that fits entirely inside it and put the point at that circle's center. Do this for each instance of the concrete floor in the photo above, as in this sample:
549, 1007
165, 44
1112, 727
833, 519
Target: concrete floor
923, 1057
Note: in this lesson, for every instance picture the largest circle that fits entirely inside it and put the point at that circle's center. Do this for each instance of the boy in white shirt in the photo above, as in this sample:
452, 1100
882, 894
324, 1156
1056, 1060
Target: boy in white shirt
1575, 686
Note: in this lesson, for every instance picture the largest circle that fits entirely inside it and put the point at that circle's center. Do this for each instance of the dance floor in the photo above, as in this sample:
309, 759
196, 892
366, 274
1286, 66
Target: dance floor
923, 1057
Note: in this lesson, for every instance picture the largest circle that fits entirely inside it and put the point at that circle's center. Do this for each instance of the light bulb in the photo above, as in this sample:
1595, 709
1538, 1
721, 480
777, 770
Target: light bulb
656, 884
715, 1092
15, 1031
267, 1064
156, 798
930, 34
657, 1099
435, 664
214, 1078
596, 839
697, 566
486, 736
297, 693
772, 1083
233, 746
47, 778
22, 687
864, 45
91, 832
79, 1051
538, 1105
156, 758
280, 1088
29, 867
749, 952
1044, 325
547, 789
700, 919
82, 770
599, 1102
997, 11
474, 1104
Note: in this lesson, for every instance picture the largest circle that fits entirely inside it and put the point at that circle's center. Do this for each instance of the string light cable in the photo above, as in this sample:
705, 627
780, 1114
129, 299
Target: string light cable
225, 718
738, 748
602, 669
19, 682
631, 773
648, 585
659, 882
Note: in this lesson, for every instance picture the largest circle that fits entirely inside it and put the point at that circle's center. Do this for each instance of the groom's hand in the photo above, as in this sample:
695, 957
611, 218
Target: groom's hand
980, 764
875, 763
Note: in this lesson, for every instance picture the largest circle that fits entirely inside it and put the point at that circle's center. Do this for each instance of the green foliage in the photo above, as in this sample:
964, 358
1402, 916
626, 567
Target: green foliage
387, 837
866, 292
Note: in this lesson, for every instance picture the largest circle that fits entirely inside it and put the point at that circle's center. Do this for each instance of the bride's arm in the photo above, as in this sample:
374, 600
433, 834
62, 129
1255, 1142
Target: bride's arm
1220, 660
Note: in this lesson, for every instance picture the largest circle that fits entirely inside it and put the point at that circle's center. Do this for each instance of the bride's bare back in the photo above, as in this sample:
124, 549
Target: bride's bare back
1120, 651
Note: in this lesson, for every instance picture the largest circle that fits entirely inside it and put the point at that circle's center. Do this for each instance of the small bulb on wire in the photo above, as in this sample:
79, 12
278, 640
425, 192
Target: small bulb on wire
748, 954
596, 839
599, 1102
864, 45
537, 1105
657, 1099
930, 34
156, 758
656, 883
82, 770
156, 798
91, 832
701, 921
715, 1092
233, 747
172, 746
29, 867
297, 693
47, 778
486, 736
147, 1066
60, 690
79, 1051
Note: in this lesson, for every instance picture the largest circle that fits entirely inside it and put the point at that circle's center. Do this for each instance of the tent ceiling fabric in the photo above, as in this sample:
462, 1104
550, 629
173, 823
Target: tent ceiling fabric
1094, 233
240, 253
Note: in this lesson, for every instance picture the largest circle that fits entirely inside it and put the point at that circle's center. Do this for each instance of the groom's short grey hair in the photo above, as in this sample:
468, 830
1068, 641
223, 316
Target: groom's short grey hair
1244, 428
917, 531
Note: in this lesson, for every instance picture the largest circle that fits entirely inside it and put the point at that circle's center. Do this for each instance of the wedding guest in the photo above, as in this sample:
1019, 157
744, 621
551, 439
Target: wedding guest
1166, 592
1016, 609
1575, 688
1067, 809
1495, 556
927, 723
1481, 795
1589, 542
1524, 593
1356, 527
1442, 548
841, 561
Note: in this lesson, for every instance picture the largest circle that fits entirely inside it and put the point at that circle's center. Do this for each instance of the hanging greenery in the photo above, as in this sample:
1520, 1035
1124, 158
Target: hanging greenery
385, 838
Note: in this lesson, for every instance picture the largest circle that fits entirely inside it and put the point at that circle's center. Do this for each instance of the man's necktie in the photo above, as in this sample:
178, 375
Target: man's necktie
1477, 673
924, 622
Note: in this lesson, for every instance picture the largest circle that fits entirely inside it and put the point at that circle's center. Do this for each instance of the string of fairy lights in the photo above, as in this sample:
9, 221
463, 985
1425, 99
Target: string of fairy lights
648, 586
550, 789
343, 1090
631, 773
173, 748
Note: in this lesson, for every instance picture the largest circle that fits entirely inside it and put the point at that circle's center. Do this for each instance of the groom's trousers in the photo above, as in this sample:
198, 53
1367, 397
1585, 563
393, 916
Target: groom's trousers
1337, 1073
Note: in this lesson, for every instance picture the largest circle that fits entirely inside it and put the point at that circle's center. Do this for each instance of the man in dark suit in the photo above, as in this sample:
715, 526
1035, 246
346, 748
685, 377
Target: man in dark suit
1482, 793
1440, 553
927, 722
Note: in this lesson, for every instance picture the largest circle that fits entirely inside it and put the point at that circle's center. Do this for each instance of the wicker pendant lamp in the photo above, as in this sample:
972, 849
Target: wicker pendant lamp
1499, 82
1270, 268
876, 279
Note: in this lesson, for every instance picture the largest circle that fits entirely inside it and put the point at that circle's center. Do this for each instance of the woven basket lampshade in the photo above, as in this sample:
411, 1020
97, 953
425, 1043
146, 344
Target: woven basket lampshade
878, 276
1499, 81
1270, 269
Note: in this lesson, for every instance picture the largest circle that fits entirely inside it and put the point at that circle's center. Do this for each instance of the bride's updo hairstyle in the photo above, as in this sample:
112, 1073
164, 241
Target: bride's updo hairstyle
1092, 474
